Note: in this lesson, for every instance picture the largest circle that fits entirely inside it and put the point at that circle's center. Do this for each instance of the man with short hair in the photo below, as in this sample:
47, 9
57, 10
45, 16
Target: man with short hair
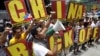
3, 36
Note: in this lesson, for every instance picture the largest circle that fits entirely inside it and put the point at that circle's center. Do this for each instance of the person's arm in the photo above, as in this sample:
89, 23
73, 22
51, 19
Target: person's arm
54, 51
45, 28
30, 27
40, 50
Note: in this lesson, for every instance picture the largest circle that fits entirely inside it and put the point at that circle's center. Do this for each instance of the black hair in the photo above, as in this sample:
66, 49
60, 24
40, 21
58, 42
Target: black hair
87, 17
81, 20
49, 9
65, 23
99, 17
34, 30
1, 29
47, 2
8, 25
16, 27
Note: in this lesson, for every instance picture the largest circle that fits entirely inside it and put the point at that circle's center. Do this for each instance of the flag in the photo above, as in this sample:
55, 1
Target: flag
27, 17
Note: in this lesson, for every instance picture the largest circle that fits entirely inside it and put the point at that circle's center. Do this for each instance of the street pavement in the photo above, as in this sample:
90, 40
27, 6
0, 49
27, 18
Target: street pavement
92, 51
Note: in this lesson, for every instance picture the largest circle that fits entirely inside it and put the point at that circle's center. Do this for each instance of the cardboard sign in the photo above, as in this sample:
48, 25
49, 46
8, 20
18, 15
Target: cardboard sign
20, 49
82, 36
51, 43
37, 9
95, 32
68, 38
16, 10
59, 7
88, 33
24, 49
75, 11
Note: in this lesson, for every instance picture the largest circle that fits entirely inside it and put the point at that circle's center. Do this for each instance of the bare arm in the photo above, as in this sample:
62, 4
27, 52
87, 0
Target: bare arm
45, 27
54, 51
29, 27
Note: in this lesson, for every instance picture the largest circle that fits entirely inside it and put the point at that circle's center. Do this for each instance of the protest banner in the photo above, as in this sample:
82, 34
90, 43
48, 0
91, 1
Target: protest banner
95, 32
68, 40
38, 10
75, 11
16, 10
88, 33
84, 35
59, 7
51, 43
22, 48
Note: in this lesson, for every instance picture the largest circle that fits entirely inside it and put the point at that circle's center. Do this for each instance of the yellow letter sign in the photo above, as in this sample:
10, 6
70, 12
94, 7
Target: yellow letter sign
82, 36
51, 43
59, 7
37, 9
16, 10
95, 32
68, 38
75, 11
19, 49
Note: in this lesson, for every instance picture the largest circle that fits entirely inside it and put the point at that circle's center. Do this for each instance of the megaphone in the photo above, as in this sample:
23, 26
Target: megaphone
56, 27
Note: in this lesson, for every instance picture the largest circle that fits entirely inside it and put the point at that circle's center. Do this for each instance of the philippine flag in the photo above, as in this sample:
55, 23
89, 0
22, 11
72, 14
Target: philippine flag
28, 17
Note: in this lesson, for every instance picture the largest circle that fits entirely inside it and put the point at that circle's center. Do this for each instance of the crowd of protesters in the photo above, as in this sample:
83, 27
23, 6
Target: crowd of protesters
35, 32
84, 23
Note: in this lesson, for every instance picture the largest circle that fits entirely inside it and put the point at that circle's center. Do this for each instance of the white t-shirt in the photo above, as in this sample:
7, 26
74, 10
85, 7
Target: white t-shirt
98, 24
93, 24
39, 50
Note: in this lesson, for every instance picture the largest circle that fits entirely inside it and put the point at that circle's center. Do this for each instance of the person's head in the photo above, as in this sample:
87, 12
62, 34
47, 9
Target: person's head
95, 20
99, 18
17, 29
36, 31
77, 23
81, 21
87, 18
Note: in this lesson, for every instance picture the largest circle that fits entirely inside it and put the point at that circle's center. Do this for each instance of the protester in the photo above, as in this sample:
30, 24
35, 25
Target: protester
83, 25
3, 36
93, 25
36, 32
9, 35
19, 33
40, 50
98, 25
41, 28
76, 37
39, 32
